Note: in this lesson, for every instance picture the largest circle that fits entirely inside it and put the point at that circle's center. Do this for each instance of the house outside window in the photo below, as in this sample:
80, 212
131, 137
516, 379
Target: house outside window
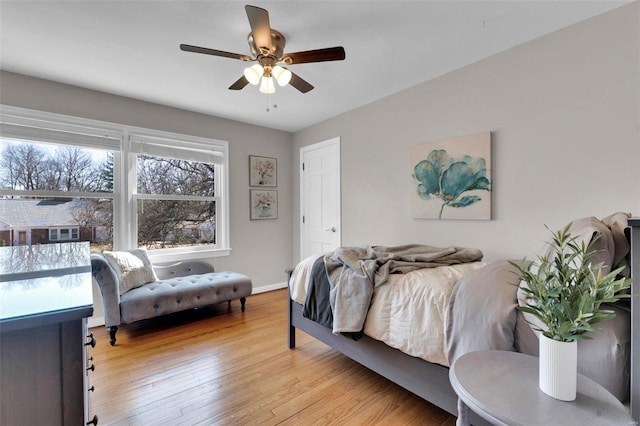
119, 187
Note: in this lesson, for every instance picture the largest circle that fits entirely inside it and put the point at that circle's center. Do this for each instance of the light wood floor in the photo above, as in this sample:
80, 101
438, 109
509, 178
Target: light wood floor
213, 366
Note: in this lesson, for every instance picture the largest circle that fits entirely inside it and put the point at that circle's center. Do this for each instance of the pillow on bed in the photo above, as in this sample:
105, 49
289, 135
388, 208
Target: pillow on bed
133, 268
482, 311
586, 229
583, 230
617, 223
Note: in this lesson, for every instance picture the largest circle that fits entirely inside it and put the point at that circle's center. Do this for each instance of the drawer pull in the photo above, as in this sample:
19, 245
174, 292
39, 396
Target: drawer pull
91, 389
91, 342
92, 368
93, 421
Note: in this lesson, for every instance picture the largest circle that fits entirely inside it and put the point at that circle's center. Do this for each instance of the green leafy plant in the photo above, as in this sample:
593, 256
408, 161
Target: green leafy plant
565, 291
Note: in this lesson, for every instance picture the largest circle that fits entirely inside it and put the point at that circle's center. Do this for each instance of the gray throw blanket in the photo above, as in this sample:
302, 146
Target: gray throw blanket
354, 272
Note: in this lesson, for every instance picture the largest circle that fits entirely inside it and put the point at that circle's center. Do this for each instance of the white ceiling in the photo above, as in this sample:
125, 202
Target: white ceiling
130, 48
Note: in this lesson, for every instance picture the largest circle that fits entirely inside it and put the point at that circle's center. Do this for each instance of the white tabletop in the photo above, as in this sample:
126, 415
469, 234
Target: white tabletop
44, 278
502, 387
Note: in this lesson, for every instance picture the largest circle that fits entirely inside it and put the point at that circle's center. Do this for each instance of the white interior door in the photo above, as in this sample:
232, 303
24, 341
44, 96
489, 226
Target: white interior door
320, 197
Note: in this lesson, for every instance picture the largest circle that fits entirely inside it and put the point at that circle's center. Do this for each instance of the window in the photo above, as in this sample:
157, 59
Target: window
69, 179
178, 194
64, 234
55, 180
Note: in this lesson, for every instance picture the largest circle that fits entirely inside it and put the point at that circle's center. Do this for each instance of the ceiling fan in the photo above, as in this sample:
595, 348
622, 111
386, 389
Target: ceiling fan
267, 49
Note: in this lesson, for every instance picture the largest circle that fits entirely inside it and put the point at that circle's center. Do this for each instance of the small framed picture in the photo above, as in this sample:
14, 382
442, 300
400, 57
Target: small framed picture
264, 204
263, 171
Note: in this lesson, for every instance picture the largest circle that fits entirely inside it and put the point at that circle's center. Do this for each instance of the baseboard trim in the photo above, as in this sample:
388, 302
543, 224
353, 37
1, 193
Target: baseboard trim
99, 321
95, 321
270, 287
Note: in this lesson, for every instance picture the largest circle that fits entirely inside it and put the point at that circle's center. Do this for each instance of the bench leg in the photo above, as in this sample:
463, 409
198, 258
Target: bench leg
112, 334
243, 301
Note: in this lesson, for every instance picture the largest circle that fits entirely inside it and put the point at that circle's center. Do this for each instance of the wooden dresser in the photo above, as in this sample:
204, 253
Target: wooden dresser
45, 299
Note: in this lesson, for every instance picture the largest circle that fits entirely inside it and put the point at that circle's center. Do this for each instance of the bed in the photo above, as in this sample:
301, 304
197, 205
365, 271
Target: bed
610, 358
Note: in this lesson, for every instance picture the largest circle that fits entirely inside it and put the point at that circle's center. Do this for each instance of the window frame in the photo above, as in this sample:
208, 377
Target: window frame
58, 231
162, 143
40, 126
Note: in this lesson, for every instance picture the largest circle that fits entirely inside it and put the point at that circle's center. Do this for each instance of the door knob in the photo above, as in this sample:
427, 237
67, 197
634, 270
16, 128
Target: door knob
332, 229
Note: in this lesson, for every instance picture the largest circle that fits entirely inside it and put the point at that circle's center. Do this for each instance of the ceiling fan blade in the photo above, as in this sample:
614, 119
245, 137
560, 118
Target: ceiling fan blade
260, 28
207, 51
318, 55
299, 83
239, 84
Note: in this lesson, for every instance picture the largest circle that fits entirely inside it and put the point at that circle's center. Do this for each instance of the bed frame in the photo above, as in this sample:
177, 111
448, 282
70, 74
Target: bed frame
431, 381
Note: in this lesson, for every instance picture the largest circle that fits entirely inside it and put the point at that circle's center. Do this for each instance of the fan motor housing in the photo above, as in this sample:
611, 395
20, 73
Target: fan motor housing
277, 45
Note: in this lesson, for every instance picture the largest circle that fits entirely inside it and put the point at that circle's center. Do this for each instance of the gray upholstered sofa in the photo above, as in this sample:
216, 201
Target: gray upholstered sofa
173, 288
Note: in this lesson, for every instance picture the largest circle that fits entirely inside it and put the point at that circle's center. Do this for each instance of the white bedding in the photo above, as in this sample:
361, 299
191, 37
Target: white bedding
408, 312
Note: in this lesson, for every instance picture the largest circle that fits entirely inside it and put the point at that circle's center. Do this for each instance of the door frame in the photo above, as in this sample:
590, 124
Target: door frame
329, 142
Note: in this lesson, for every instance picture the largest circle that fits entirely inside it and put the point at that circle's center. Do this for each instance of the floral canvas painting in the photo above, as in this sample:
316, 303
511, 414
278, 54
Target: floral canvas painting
264, 204
451, 179
263, 171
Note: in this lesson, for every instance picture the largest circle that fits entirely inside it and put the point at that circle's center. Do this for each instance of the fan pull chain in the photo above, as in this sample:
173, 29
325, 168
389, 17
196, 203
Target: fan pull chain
275, 105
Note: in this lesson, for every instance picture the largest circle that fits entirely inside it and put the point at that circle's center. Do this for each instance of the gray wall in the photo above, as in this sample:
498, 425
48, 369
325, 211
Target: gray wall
261, 249
563, 110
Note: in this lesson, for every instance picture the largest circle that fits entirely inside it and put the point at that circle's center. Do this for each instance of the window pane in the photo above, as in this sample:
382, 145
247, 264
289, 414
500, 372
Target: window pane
157, 175
26, 221
38, 166
170, 223
62, 161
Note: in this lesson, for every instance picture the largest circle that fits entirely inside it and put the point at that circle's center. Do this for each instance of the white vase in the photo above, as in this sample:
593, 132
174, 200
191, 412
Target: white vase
558, 368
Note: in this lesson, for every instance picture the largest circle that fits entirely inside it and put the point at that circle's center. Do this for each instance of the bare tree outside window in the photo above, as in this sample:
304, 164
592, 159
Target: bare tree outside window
176, 204
36, 219
22, 166
29, 166
165, 223
72, 169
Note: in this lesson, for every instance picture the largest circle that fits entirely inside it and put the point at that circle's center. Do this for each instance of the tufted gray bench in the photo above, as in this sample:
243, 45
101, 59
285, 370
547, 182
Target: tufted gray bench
181, 286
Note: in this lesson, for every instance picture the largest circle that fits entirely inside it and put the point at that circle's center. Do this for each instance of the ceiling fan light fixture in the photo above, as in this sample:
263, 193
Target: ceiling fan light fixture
267, 85
282, 75
267, 49
254, 73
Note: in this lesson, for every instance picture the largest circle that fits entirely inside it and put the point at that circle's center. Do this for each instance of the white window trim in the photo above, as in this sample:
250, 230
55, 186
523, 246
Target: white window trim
137, 135
123, 194
68, 228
